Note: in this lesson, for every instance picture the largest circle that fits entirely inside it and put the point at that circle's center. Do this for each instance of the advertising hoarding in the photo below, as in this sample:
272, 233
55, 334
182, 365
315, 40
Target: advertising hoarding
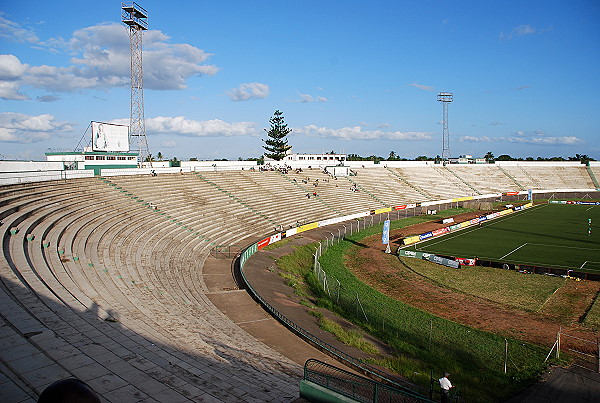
110, 137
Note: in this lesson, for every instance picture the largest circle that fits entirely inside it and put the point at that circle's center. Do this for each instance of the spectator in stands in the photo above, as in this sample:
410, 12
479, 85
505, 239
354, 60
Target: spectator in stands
69, 390
445, 387
308, 195
315, 194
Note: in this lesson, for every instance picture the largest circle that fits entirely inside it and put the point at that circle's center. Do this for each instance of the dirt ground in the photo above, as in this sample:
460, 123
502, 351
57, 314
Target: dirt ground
416, 290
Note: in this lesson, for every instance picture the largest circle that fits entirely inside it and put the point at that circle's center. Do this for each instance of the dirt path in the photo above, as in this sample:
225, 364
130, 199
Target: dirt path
385, 273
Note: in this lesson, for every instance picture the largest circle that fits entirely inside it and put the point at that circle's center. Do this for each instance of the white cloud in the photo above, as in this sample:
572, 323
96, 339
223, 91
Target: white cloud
47, 98
181, 126
547, 140
100, 59
357, 133
522, 30
521, 137
168, 144
248, 91
474, 139
11, 68
305, 98
14, 31
22, 128
11, 91
422, 87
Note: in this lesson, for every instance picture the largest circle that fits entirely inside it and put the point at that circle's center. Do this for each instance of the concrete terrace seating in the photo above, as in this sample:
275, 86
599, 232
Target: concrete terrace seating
68, 300
334, 193
486, 178
111, 290
388, 186
435, 181
549, 177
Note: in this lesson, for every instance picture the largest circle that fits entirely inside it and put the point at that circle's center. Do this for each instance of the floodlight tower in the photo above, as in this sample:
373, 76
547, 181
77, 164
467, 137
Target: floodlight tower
136, 18
445, 98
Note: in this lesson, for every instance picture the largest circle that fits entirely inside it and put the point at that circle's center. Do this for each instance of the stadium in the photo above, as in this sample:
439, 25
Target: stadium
290, 277
130, 280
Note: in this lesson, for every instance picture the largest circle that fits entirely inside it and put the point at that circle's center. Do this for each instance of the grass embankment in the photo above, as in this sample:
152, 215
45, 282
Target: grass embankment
592, 318
507, 287
423, 342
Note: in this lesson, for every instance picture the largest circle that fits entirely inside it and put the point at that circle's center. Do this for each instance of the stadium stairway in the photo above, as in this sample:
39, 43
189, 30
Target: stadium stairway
593, 177
421, 192
512, 178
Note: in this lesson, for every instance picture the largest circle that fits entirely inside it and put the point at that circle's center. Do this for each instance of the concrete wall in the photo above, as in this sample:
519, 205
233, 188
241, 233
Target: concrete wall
22, 166
541, 163
11, 178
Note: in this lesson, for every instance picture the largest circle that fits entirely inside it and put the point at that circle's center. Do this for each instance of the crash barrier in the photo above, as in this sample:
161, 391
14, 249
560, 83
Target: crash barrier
429, 256
325, 382
581, 202
421, 237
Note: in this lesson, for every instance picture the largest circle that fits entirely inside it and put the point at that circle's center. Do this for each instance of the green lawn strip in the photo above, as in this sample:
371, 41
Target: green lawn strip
423, 341
527, 292
474, 357
348, 337
547, 235
592, 319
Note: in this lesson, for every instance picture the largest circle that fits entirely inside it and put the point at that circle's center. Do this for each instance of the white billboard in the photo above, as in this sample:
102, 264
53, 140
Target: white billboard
109, 137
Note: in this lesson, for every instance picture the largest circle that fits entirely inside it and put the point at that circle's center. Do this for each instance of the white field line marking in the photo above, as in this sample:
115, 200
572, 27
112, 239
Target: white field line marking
589, 208
467, 230
514, 250
562, 246
587, 261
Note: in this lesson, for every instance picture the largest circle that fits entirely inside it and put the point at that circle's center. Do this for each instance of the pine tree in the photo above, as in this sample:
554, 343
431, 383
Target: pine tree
276, 145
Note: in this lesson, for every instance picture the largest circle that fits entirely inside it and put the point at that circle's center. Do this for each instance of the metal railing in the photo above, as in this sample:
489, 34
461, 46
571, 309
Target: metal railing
225, 251
355, 386
332, 350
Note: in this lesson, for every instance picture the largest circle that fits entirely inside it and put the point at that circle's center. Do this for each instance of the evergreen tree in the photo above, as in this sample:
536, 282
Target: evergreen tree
277, 145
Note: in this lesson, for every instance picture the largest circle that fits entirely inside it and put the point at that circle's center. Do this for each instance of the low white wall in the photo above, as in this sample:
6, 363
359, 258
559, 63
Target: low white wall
220, 165
541, 163
142, 171
21, 166
12, 178
400, 164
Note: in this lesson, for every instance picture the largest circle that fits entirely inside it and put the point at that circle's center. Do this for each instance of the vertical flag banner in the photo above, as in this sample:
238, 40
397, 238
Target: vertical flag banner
385, 235
529, 194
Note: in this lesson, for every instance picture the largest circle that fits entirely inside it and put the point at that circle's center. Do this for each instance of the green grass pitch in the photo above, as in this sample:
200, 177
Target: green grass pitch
549, 235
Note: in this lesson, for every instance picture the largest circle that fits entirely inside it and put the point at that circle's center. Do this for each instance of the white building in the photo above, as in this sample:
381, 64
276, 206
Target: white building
318, 160
95, 160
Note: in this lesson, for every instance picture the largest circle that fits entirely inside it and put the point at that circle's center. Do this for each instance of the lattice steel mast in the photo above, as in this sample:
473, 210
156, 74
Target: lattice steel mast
136, 18
445, 98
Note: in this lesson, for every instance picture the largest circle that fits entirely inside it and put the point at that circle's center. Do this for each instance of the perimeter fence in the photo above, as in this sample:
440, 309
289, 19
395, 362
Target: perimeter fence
434, 339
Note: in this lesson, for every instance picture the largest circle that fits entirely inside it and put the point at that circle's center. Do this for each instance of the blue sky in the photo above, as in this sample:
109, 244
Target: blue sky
350, 76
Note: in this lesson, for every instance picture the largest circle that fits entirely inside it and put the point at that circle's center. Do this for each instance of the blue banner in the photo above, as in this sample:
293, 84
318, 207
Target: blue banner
425, 235
385, 235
